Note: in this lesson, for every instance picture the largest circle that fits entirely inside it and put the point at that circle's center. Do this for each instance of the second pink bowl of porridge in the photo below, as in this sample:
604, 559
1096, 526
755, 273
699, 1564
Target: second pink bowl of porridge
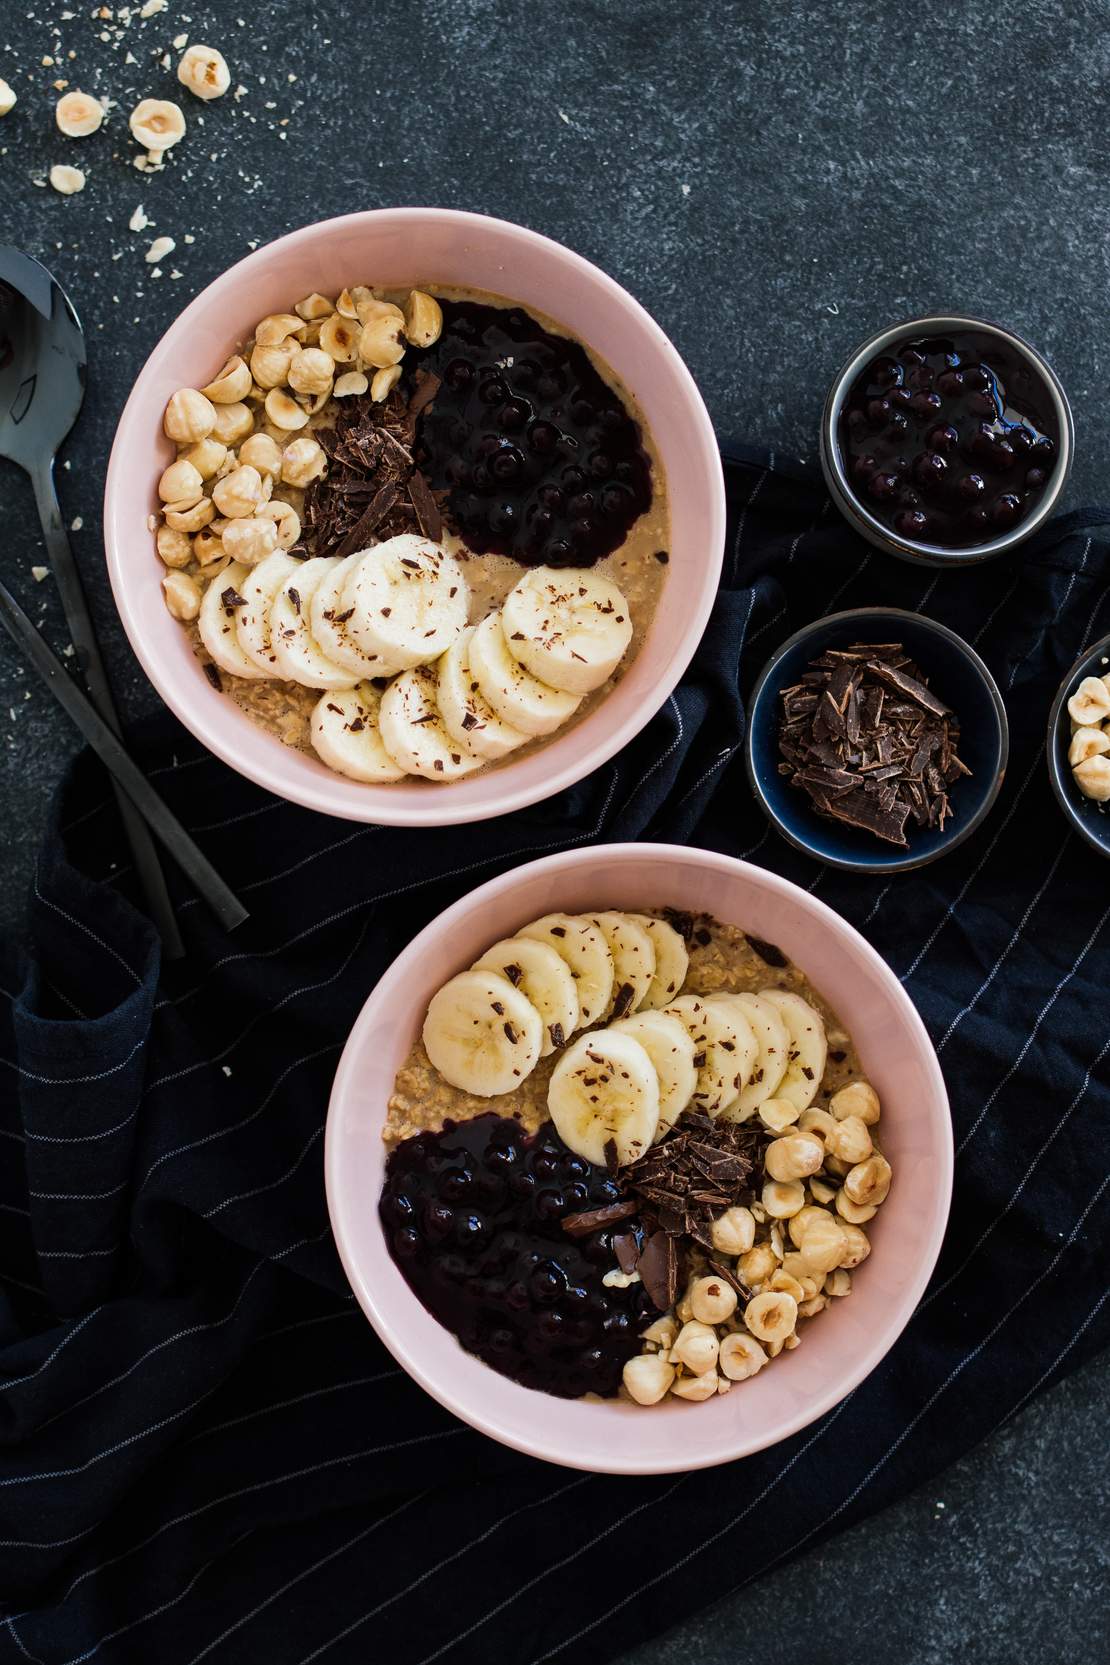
414, 517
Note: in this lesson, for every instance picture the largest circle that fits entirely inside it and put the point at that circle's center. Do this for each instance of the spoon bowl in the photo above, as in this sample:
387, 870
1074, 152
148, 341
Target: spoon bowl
42, 363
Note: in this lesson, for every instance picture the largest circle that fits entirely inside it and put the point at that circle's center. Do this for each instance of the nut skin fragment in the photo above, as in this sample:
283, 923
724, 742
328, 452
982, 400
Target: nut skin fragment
204, 71
77, 115
157, 124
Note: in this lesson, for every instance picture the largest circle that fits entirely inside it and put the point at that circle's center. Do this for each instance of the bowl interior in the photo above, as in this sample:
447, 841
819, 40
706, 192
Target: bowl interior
1090, 819
413, 246
954, 673
839, 1350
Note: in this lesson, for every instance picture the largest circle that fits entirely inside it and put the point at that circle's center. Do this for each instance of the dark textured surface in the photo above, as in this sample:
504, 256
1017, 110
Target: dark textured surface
772, 182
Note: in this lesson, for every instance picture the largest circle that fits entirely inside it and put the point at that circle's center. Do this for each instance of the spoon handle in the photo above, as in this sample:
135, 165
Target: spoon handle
130, 778
87, 649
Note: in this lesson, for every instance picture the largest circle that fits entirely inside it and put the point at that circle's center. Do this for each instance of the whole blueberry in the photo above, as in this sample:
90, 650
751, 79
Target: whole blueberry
943, 438
972, 487
882, 486
911, 523
950, 383
1006, 511
925, 404
1035, 479
930, 470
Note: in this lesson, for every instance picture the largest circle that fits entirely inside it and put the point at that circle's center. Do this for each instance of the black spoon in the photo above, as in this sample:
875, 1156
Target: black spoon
42, 386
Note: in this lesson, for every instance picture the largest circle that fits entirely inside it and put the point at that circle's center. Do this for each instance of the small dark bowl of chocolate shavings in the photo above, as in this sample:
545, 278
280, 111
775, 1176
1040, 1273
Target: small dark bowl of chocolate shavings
877, 740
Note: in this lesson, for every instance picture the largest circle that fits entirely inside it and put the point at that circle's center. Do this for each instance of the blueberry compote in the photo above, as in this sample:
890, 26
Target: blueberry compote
539, 457
472, 1217
949, 439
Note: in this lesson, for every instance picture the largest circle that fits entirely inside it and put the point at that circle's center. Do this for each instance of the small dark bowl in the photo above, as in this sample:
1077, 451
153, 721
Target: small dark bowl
856, 512
956, 673
1090, 819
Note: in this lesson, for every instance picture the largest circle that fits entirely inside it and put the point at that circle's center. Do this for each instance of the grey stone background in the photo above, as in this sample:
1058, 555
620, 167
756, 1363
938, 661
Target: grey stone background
772, 180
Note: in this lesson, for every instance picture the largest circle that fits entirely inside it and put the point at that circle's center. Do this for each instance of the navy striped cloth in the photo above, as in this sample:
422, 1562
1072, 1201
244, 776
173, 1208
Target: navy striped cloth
205, 1453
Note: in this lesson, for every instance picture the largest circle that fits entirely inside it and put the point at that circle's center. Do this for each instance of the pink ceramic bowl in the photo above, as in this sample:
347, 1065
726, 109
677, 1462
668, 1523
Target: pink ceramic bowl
838, 1349
396, 246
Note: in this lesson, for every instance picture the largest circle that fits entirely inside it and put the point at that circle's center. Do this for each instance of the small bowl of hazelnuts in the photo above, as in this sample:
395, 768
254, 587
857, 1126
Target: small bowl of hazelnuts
1078, 748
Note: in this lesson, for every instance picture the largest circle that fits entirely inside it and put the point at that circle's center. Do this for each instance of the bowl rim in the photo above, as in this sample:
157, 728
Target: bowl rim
884, 537
744, 1443
895, 864
218, 735
1052, 737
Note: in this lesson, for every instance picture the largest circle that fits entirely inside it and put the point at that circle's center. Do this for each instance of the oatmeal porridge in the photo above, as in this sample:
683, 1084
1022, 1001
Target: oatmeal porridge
629, 1154
413, 533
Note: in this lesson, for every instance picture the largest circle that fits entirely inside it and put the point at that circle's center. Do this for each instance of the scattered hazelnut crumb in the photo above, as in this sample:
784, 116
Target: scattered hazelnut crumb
153, 7
7, 98
67, 180
158, 250
138, 220
76, 523
39, 573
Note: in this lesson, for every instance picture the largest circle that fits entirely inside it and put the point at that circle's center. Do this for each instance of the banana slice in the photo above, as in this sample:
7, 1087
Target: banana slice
517, 697
216, 623
481, 1034
604, 1088
773, 1042
633, 960
545, 978
580, 943
344, 735
570, 628
665, 1040
746, 1057
327, 621
297, 654
671, 960
808, 1047
721, 1054
466, 715
413, 733
252, 620
407, 601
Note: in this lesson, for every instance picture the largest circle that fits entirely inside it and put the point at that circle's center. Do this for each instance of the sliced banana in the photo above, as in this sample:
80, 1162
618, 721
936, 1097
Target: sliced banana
413, 733
407, 601
518, 698
773, 1041
671, 960
344, 735
633, 960
746, 1057
297, 654
580, 943
328, 622
720, 1051
481, 1034
569, 627
667, 1043
466, 715
545, 978
252, 620
216, 623
604, 1088
808, 1047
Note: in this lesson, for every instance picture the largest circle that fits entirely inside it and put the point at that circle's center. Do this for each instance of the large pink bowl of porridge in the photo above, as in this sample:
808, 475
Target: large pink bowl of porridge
444, 250
846, 1342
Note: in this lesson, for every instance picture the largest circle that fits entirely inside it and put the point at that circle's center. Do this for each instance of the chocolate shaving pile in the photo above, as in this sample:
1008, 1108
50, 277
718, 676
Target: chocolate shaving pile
373, 489
680, 1186
865, 737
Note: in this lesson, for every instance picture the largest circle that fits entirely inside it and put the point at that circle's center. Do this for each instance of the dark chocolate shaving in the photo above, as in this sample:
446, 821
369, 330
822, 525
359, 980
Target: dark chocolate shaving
658, 1269
595, 1219
626, 1250
863, 735
768, 953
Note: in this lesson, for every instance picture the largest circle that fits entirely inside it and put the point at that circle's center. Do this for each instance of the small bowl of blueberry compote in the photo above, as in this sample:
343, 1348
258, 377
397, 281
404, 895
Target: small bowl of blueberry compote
946, 440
